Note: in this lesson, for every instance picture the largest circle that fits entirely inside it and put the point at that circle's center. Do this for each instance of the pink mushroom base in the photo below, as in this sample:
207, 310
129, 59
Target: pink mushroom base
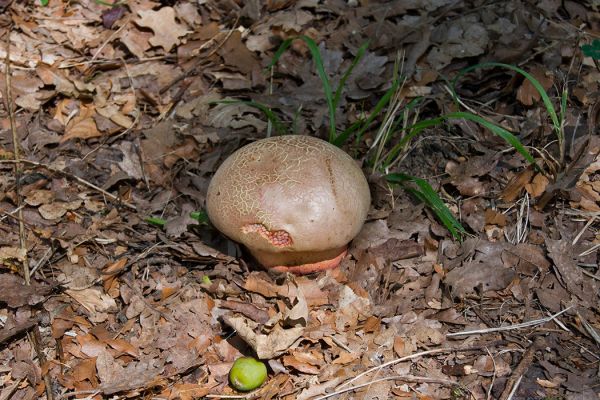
294, 201
301, 263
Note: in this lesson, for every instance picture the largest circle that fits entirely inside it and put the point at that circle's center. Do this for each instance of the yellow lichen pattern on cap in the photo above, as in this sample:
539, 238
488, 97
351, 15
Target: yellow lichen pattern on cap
245, 176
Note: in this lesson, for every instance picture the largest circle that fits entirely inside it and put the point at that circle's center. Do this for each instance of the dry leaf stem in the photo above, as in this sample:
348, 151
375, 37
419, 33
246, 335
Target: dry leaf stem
17, 161
75, 177
34, 335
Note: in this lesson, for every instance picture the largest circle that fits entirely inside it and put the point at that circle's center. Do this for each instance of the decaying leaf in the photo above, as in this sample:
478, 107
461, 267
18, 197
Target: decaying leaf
136, 375
485, 272
266, 346
15, 293
287, 328
93, 299
162, 22
122, 100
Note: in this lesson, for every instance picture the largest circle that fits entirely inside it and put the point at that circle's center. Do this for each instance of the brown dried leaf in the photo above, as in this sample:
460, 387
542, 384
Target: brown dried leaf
188, 391
162, 22
255, 283
93, 299
313, 294
305, 362
136, 375
277, 342
467, 278
55, 210
12, 253
531, 257
561, 252
83, 126
514, 187
493, 217
527, 94
237, 55
204, 250
486, 366
123, 346
315, 390
53, 76
249, 310
395, 249
15, 293
589, 187
38, 197
90, 346
136, 41
537, 186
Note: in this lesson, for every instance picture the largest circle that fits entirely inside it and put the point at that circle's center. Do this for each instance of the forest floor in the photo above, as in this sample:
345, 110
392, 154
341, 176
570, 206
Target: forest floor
111, 110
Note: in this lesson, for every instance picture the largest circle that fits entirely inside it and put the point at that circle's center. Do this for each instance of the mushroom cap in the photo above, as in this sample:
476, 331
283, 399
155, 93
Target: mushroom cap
289, 195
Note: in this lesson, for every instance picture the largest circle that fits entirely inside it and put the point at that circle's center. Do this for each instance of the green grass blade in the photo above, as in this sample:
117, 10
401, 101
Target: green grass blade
319, 66
427, 195
269, 114
498, 131
536, 84
200, 216
363, 125
156, 221
282, 48
413, 131
359, 55
417, 128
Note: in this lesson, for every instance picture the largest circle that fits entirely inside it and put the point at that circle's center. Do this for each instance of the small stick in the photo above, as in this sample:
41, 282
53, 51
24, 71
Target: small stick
78, 179
36, 339
397, 360
515, 387
489, 392
17, 166
110, 38
411, 378
200, 59
515, 378
510, 327
11, 390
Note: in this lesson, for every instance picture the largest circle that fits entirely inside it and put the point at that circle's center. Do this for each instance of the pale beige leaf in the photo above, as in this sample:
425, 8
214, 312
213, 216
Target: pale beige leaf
162, 22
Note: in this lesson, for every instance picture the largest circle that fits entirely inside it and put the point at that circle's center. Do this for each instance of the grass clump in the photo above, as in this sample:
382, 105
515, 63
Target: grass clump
401, 125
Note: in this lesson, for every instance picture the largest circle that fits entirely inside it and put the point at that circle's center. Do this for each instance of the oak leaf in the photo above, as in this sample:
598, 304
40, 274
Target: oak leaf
162, 22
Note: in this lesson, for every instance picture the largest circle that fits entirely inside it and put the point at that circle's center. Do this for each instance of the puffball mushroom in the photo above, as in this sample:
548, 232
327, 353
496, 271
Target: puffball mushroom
294, 201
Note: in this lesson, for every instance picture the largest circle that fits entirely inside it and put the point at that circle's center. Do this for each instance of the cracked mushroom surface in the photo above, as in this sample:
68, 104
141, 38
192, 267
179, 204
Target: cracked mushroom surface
294, 201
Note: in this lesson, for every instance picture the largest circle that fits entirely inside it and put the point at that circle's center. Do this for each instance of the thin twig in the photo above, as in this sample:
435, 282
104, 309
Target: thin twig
110, 38
36, 339
34, 336
515, 378
103, 61
489, 392
590, 275
410, 357
590, 250
78, 179
411, 378
581, 232
133, 124
11, 390
510, 327
231, 396
514, 389
589, 328
91, 392
17, 161
187, 73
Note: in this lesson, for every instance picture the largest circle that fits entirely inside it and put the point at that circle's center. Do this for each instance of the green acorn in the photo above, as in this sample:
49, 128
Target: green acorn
247, 374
